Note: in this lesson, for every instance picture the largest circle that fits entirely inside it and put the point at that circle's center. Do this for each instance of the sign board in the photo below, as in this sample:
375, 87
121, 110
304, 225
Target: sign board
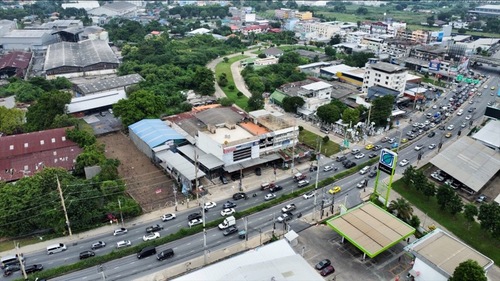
434, 65
387, 161
459, 78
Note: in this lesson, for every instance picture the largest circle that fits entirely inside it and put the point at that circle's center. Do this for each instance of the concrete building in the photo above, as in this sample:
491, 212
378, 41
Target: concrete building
486, 10
284, 13
6, 26
23, 40
315, 95
151, 136
385, 75
273, 52
356, 37
89, 57
56, 25
323, 30
87, 5
304, 15
114, 9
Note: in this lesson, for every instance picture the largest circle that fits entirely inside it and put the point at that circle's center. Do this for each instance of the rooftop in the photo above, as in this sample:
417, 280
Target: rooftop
79, 54
317, 86
387, 67
489, 134
154, 132
235, 135
109, 83
24, 33
468, 161
16, 60
220, 116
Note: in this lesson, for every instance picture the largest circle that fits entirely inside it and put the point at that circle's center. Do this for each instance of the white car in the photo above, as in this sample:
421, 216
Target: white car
151, 236
209, 205
451, 127
460, 112
168, 217
327, 168
194, 222
468, 117
392, 140
227, 212
418, 147
432, 146
463, 125
123, 243
404, 162
437, 177
269, 196
120, 231
359, 156
364, 170
284, 217
434, 106
308, 195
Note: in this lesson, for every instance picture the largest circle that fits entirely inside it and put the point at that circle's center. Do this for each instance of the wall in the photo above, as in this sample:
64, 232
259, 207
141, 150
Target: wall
141, 145
427, 272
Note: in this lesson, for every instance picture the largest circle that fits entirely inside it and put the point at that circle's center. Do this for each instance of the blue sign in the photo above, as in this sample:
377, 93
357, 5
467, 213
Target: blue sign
434, 65
387, 158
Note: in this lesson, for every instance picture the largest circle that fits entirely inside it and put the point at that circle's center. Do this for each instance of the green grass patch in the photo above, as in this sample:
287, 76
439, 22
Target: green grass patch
311, 139
232, 94
475, 236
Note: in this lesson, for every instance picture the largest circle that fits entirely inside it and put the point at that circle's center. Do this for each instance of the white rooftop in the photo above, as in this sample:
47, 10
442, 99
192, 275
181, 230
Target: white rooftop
25, 33
338, 68
316, 86
489, 134
224, 134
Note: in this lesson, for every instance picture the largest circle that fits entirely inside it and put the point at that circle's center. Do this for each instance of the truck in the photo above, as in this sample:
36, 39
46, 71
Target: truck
299, 176
288, 208
229, 221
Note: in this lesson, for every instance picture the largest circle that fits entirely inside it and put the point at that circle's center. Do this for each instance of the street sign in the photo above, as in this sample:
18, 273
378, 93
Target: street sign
459, 78
346, 143
387, 161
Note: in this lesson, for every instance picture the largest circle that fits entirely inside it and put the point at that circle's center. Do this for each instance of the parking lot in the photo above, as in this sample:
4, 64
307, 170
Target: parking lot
319, 242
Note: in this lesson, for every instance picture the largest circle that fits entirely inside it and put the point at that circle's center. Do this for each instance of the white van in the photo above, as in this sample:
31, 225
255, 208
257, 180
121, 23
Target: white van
56, 248
11, 259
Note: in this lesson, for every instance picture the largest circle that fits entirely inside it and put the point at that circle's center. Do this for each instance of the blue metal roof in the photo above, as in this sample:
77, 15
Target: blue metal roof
154, 132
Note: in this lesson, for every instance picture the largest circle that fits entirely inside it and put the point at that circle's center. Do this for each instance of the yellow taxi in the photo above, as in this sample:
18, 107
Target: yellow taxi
335, 189
448, 135
369, 146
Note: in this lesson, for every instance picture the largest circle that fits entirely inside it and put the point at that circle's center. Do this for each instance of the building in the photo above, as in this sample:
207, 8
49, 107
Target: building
6, 26
114, 9
100, 94
89, 57
76, 34
25, 154
304, 15
151, 136
315, 95
285, 13
355, 37
489, 135
384, 74
486, 10
87, 5
260, 28
437, 254
57, 25
15, 64
323, 30
273, 52
23, 39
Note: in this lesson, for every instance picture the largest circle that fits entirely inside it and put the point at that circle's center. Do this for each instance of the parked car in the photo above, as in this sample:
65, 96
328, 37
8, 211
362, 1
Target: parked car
98, 245
86, 254
258, 171
322, 264
481, 198
223, 179
120, 231
168, 217
327, 270
437, 177
431, 134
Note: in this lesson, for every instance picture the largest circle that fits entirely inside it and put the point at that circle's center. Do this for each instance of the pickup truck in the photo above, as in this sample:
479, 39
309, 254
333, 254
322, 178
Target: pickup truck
288, 208
299, 176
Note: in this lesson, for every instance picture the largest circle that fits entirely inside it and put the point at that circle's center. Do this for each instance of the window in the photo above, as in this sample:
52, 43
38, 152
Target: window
11, 147
54, 153
42, 142
25, 145
63, 138
53, 140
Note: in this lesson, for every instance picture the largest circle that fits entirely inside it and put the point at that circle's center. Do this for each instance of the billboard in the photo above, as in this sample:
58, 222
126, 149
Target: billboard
434, 65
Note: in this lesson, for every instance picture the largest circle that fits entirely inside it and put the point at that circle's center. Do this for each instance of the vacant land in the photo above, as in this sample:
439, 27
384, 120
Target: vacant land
230, 89
145, 182
311, 139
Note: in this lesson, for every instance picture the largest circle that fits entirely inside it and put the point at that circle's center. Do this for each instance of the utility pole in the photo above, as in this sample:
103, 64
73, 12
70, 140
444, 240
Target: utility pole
101, 269
316, 182
20, 259
64, 206
241, 180
293, 146
175, 195
246, 232
205, 258
196, 175
121, 213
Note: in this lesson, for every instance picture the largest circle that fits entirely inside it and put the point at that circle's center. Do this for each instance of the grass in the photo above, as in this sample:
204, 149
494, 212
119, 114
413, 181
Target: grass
475, 236
9, 244
232, 94
311, 139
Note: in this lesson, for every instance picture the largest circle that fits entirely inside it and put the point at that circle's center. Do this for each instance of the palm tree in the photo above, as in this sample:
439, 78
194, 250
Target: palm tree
402, 208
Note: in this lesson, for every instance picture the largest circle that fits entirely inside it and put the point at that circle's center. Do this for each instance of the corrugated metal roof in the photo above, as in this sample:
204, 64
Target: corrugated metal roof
109, 83
207, 160
154, 132
179, 163
15, 59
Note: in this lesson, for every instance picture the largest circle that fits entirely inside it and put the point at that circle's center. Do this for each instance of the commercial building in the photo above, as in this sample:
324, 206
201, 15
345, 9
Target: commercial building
23, 39
114, 9
384, 74
486, 10
323, 30
15, 64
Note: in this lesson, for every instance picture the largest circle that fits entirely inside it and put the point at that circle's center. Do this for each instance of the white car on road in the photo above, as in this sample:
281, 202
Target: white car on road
327, 168
432, 146
209, 205
418, 147
468, 117
123, 243
451, 127
308, 195
168, 217
151, 236
404, 162
359, 156
194, 222
270, 196
227, 212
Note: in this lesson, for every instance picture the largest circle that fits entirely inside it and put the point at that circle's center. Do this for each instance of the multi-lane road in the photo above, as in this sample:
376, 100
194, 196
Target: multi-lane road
187, 248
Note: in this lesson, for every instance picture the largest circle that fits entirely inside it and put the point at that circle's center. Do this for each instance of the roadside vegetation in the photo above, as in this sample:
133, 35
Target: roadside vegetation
226, 82
328, 147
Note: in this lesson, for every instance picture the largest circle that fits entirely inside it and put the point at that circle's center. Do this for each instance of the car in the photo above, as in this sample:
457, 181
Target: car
322, 264
419, 147
362, 183
385, 139
98, 245
154, 228
377, 147
275, 188
372, 174
194, 216
437, 177
123, 243
230, 230
434, 106
492, 88
151, 236
168, 217
404, 162
33, 268
209, 205
448, 135
327, 168
349, 164
372, 155
463, 125
327, 270
239, 195
442, 127
308, 195
485, 87
490, 103
288, 208
471, 101
392, 140
364, 170
481, 198
468, 117
237, 176
299, 176
369, 146
269, 196
11, 268
302, 183
285, 217
359, 156
428, 115
341, 158
227, 212
431, 134
228, 205
258, 171
404, 140
355, 151
120, 231
432, 146
86, 254
450, 127
335, 189
313, 168
223, 179
471, 109
194, 222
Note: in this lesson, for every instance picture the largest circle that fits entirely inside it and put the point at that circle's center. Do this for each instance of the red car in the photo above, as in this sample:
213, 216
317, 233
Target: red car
327, 270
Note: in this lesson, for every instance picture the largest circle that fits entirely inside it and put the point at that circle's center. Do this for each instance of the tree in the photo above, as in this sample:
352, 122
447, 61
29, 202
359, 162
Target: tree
326, 139
225, 101
462, 31
11, 120
419, 180
443, 195
429, 189
331, 52
408, 175
40, 115
358, 59
328, 113
414, 221
470, 211
489, 217
479, 50
455, 204
362, 11
431, 20
335, 40
256, 101
139, 105
402, 208
82, 137
350, 116
469, 270
290, 104
382, 109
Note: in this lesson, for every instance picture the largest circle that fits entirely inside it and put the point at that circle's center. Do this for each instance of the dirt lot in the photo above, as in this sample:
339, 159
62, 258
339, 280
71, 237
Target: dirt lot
146, 183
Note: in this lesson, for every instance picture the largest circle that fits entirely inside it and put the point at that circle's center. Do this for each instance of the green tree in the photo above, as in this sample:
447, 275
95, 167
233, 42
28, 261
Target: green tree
462, 30
290, 104
328, 113
408, 175
139, 105
225, 101
402, 208
443, 195
331, 52
455, 204
11, 120
419, 180
358, 59
414, 221
429, 189
92, 155
431, 20
326, 139
350, 116
470, 211
489, 217
469, 270
362, 11
64, 120
335, 40
255, 102
382, 109
82, 137
40, 115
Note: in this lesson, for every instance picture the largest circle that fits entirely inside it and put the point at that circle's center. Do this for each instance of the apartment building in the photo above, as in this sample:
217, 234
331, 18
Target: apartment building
384, 74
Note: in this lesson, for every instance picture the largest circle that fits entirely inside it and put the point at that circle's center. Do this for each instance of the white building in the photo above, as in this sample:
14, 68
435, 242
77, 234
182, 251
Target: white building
356, 37
21, 39
315, 95
386, 75
323, 30
87, 5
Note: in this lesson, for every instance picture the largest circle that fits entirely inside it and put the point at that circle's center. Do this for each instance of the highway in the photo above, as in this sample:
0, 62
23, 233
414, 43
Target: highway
189, 247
